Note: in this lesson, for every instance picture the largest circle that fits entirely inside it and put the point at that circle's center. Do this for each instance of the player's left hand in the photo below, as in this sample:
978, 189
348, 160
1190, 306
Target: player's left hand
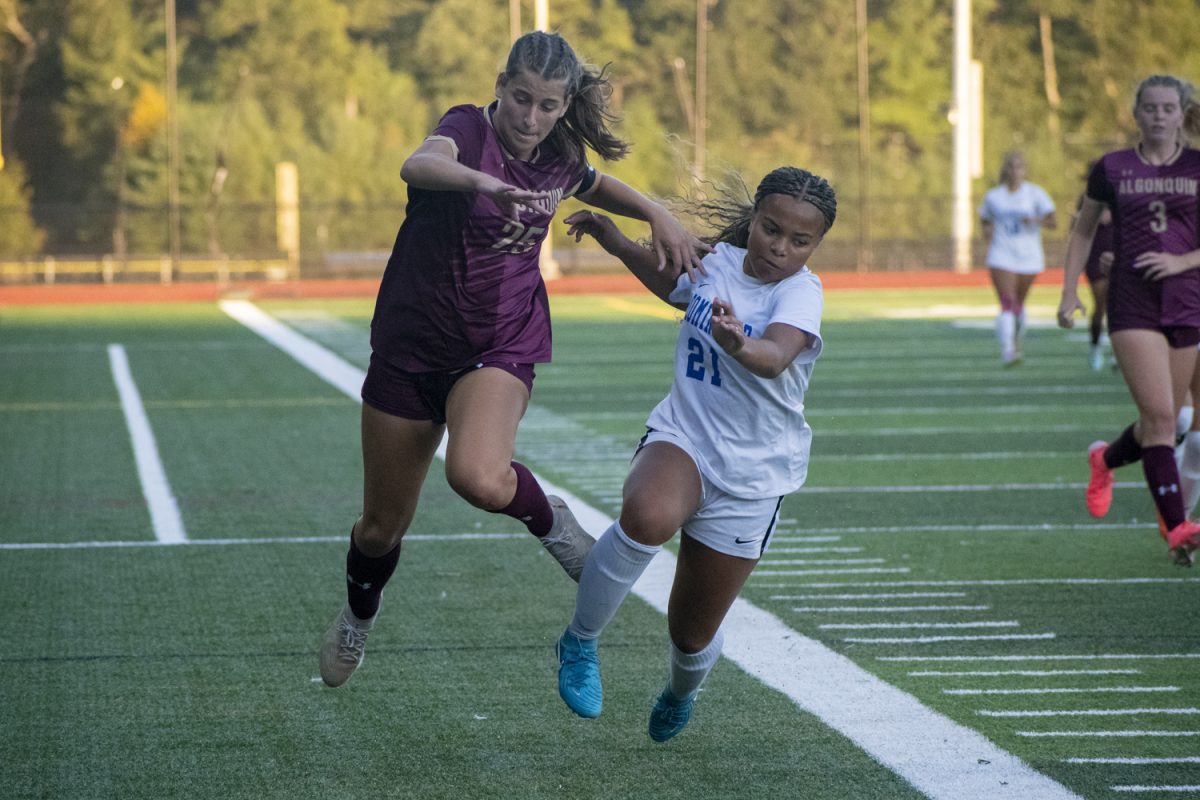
676, 246
726, 327
1156, 266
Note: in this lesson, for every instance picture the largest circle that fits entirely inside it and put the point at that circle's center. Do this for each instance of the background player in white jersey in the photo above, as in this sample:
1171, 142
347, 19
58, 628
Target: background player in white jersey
728, 442
1153, 191
1013, 215
462, 314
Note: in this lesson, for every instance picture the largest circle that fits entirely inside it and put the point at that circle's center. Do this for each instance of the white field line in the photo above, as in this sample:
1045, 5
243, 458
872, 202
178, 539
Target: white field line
1135, 760
1039, 657
991, 582
1155, 788
1026, 673
960, 488
878, 596
1047, 527
1067, 690
1091, 712
412, 537
1009, 637
881, 609
1105, 734
799, 550
819, 562
938, 756
851, 571
896, 626
164, 510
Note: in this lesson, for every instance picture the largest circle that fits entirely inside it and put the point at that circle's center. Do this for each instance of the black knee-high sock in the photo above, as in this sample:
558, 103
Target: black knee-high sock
1162, 476
529, 503
366, 577
1123, 450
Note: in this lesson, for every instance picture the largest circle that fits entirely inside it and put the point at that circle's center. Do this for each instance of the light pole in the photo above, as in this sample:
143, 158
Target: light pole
864, 139
701, 88
963, 123
172, 141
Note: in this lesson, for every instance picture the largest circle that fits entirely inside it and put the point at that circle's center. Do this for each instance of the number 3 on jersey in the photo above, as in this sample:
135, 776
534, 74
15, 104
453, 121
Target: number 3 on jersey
695, 362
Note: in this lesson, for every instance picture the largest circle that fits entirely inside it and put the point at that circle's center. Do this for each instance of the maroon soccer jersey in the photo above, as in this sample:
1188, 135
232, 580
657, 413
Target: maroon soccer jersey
1156, 208
462, 284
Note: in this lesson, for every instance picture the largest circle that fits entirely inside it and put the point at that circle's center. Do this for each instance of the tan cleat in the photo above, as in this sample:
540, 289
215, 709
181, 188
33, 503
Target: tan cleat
343, 646
567, 541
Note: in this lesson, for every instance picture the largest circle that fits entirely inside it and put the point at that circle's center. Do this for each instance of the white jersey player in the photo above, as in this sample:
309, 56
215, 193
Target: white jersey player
725, 446
1013, 215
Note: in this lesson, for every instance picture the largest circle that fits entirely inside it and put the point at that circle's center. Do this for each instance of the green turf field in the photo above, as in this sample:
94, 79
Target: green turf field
938, 568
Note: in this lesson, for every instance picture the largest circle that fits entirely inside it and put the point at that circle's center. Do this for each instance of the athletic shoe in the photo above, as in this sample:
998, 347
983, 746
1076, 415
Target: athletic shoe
1096, 358
343, 646
1182, 542
567, 541
670, 714
579, 675
1099, 489
1010, 358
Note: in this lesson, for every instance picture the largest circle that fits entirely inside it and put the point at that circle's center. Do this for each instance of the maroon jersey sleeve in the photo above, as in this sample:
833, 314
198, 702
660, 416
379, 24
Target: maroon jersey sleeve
1099, 187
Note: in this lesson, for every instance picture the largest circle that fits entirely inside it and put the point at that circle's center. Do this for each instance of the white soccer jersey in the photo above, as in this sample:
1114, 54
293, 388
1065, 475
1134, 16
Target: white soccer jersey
1016, 245
749, 433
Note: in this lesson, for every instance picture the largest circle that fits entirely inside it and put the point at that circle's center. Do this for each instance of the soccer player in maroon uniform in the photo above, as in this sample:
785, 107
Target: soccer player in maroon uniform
462, 314
1153, 191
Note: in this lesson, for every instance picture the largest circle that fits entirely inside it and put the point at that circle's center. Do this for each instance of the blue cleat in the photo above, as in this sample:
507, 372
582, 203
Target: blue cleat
579, 675
670, 714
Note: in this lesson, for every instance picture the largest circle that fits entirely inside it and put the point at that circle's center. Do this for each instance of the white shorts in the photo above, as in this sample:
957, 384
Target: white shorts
731, 525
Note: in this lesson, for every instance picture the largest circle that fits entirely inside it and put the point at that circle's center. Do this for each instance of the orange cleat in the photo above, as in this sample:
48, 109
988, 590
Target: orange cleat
1100, 485
1182, 542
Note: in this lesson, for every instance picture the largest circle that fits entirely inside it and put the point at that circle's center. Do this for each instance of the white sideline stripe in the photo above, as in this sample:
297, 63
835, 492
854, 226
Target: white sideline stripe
1136, 787
797, 550
1091, 712
1068, 690
1106, 734
940, 639
1028, 673
412, 537
1044, 526
1132, 760
818, 562
1080, 657
938, 756
851, 571
164, 510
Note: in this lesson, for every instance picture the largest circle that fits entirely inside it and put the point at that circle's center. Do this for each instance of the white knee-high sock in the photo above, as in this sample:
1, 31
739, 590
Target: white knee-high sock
1006, 330
1189, 471
688, 670
613, 566
1183, 422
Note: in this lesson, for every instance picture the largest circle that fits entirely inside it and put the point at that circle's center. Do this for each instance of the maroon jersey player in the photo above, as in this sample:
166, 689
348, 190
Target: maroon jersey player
462, 316
1153, 191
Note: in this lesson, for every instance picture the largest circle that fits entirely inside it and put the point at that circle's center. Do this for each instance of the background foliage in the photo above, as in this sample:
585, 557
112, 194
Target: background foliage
347, 88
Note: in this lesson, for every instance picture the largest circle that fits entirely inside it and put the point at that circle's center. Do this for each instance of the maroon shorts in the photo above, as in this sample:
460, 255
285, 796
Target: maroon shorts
422, 395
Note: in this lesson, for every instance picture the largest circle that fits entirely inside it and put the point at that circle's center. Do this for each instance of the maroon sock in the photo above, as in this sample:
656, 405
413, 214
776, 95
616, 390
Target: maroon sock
1124, 450
1162, 476
529, 504
366, 577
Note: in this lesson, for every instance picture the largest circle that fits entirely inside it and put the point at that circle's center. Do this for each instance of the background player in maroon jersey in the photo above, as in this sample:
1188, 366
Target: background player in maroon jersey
1153, 191
462, 314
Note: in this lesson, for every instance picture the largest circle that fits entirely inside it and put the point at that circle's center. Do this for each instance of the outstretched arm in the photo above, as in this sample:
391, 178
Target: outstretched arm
642, 262
434, 166
673, 245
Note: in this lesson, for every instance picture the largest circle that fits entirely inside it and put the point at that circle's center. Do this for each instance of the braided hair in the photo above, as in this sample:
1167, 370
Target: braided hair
588, 121
1187, 99
729, 215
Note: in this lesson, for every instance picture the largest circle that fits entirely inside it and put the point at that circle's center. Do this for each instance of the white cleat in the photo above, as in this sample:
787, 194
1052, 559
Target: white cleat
343, 646
567, 541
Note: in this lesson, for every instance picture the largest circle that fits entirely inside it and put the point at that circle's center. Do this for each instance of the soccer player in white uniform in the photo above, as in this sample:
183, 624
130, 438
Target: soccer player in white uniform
725, 446
1013, 215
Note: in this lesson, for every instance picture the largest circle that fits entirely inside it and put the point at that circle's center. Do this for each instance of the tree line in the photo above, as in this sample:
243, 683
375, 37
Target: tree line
346, 89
